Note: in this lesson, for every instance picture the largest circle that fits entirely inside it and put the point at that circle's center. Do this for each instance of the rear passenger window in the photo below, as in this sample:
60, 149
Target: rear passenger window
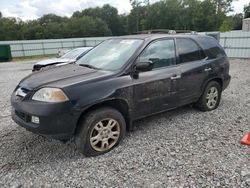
212, 48
189, 51
161, 53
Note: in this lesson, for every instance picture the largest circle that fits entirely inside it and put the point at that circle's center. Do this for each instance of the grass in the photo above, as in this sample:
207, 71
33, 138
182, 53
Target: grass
27, 58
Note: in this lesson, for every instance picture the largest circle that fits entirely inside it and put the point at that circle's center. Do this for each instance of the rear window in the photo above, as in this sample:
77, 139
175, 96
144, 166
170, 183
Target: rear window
211, 47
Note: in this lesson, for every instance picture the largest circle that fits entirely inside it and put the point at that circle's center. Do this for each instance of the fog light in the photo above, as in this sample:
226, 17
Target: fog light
35, 119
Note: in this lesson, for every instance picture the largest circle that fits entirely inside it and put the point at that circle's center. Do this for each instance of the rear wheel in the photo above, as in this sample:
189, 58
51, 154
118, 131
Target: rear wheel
100, 131
210, 98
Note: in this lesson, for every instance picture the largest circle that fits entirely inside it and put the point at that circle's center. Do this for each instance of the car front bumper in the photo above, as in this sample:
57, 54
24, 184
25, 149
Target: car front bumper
57, 120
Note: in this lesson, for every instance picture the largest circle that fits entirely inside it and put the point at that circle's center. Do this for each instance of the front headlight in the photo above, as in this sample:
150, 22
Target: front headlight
50, 95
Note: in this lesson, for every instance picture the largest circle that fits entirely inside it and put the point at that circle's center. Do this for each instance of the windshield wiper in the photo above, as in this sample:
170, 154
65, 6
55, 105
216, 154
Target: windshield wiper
89, 66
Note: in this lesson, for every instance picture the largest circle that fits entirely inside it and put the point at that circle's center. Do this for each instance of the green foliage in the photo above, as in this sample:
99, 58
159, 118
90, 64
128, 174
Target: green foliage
247, 11
237, 21
108, 14
222, 5
51, 27
205, 15
227, 25
87, 26
10, 29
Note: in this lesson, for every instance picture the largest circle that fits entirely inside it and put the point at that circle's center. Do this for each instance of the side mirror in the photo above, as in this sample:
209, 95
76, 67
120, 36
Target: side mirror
144, 66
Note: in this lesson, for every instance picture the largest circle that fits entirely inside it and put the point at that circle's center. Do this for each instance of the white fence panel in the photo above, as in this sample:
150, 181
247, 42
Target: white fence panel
49, 46
236, 44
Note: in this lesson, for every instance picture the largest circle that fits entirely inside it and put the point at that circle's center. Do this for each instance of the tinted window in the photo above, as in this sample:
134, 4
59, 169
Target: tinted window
161, 53
188, 50
212, 47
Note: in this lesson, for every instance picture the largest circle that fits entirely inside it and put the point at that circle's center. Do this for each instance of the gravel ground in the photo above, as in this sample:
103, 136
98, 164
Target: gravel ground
180, 148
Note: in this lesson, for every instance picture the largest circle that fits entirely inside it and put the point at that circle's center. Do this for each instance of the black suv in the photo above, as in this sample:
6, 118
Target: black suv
121, 80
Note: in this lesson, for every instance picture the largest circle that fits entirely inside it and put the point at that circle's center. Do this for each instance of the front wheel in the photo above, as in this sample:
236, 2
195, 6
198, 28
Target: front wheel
210, 99
100, 131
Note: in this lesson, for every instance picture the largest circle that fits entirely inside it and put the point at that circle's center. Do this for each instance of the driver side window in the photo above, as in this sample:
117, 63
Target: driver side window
161, 53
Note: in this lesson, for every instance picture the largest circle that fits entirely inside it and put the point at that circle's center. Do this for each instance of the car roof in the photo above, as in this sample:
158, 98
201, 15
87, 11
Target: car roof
158, 36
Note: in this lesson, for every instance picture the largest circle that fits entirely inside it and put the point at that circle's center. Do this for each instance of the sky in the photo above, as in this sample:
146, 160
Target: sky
32, 9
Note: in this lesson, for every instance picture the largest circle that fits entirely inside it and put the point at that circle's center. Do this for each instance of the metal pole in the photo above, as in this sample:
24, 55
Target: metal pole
43, 48
23, 50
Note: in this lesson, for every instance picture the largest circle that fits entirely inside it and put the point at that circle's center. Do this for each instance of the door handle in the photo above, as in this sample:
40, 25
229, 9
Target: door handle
175, 77
207, 69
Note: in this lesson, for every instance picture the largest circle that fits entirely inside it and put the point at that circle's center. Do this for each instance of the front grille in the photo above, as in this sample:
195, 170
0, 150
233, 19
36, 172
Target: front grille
23, 116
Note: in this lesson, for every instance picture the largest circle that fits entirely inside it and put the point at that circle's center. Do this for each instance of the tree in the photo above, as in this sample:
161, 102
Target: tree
192, 15
33, 30
1, 15
53, 26
108, 14
51, 18
211, 19
205, 15
196, 15
237, 21
136, 18
141, 17
87, 26
223, 5
9, 28
227, 25
247, 11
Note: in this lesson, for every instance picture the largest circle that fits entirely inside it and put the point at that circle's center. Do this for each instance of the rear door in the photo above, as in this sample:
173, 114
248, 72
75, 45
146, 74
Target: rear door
194, 69
155, 90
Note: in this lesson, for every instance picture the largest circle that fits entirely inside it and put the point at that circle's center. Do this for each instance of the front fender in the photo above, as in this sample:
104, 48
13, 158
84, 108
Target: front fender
86, 95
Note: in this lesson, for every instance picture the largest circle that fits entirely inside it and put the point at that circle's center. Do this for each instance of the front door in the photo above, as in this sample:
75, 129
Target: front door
156, 90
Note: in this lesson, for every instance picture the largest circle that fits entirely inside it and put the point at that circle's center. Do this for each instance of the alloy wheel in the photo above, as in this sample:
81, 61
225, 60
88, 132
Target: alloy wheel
212, 97
105, 134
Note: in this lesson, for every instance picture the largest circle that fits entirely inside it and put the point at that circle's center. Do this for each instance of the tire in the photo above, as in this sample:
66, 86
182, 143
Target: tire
205, 103
97, 124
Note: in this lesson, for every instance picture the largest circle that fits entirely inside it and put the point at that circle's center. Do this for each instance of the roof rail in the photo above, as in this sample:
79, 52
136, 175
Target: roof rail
167, 31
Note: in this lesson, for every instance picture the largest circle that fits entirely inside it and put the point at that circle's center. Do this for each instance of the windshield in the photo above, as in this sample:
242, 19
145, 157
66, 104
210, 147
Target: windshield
111, 54
73, 54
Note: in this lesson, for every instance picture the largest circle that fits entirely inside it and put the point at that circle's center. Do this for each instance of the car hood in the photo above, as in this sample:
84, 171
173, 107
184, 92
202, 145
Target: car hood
53, 61
61, 76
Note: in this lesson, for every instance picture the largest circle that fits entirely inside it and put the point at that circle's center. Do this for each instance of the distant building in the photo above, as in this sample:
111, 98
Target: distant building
246, 25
